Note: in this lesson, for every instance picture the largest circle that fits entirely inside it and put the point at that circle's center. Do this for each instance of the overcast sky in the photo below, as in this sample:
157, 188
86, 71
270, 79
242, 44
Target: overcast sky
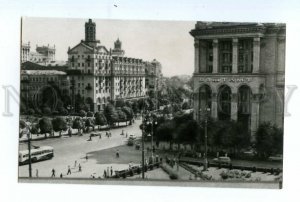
167, 41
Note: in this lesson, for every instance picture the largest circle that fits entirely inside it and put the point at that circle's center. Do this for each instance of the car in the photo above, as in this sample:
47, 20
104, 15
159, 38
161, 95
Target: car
222, 160
277, 157
132, 137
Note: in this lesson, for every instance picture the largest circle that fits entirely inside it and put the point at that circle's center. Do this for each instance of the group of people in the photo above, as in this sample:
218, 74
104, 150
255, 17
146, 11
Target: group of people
108, 172
69, 172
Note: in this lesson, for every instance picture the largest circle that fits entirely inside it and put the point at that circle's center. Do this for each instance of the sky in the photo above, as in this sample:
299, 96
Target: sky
166, 41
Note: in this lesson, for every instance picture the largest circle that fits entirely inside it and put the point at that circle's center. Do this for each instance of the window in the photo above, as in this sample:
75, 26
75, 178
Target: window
245, 57
78, 64
225, 56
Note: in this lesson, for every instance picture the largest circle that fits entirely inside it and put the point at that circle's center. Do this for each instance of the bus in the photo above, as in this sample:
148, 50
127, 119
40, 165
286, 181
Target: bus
37, 154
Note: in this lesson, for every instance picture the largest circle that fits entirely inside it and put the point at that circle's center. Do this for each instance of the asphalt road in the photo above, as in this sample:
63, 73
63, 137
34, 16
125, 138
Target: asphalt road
69, 149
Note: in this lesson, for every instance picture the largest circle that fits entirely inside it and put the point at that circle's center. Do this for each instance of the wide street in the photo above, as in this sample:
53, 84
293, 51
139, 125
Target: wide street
67, 150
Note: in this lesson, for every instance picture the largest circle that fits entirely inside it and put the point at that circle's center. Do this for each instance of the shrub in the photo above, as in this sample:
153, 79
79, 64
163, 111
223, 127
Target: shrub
82, 113
30, 111
55, 113
89, 114
46, 111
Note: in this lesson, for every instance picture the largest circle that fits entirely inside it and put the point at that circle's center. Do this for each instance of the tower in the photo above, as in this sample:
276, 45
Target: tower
90, 33
117, 51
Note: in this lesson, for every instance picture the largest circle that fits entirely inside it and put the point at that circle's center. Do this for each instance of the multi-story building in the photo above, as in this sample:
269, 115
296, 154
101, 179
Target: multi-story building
239, 72
43, 54
153, 77
34, 83
100, 77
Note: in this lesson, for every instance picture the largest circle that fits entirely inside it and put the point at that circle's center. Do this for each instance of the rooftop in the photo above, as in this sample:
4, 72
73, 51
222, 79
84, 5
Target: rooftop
43, 72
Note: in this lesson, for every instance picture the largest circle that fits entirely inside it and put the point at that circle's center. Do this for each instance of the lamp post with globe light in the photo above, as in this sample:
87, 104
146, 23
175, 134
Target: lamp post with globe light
205, 113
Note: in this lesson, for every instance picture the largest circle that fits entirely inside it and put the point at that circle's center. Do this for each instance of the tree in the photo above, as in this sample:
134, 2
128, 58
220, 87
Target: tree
165, 132
77, 124
269, 140
129, 113
188, 132
120, 103
45, 126
89, 123
82, 113
59, 124
34, 129
22, 124
30, 111
111, 114
46, 110
185, 106
121, 116
89, 114
264, 139
100, 119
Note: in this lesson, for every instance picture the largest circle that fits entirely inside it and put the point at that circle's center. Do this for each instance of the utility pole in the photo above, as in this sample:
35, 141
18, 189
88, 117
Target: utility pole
143, 152
29, 151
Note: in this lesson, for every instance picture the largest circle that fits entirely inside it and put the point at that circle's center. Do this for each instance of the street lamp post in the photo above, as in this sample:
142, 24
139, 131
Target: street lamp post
205, 113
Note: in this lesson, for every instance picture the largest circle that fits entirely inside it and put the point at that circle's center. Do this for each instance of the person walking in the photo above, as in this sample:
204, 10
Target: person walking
79, 168
111, 171
107, 171
53, 173
61, 175
117, 154
36, 173
99, 135
104, 175
69, 171
75, 164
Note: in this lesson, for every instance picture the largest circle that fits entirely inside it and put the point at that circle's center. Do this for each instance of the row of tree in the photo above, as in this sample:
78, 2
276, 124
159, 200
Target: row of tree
230, 136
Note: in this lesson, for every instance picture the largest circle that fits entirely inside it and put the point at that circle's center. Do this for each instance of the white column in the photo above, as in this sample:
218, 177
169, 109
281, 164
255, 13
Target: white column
256, 54
234, 107
196, 64
215, 56
235, 56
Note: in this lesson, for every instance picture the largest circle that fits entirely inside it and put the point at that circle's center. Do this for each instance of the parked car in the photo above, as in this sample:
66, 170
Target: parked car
222, 160
277, 157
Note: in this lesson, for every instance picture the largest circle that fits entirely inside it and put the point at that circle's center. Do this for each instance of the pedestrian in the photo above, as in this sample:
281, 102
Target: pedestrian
69, 171
79, 168
126, 135
53, 173
86, 157
61, 175
117, 154
99, 135
107, 171
111, 171
37, 173
75, 164
104, 175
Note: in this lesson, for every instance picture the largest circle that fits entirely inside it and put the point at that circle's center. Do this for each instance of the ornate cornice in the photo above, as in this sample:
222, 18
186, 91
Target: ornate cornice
227, 30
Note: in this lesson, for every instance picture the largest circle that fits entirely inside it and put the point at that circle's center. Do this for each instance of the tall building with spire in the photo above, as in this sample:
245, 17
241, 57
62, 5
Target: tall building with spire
117, 51
99, 77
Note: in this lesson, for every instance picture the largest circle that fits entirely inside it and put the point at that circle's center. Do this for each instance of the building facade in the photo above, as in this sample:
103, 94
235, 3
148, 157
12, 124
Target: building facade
101, 77
239, 72
153, 77
43, 54
34, 84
